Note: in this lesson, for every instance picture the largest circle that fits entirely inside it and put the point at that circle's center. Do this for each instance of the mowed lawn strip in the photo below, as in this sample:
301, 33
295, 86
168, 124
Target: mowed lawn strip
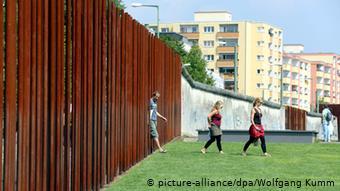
184, 162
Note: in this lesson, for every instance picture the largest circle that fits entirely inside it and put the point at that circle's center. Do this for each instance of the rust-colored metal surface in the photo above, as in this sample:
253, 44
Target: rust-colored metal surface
11, 115
78, 76
295, 118
1, 90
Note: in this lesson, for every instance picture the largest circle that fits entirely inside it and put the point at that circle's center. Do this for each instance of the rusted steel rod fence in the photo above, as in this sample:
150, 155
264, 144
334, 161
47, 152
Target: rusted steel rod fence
295, 118
77, 79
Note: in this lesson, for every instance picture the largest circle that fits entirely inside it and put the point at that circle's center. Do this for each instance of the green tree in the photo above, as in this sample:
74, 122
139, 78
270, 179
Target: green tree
176, 45
197, 68
119, 4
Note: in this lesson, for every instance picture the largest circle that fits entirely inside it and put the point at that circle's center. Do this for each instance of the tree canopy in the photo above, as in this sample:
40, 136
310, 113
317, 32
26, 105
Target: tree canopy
197, 67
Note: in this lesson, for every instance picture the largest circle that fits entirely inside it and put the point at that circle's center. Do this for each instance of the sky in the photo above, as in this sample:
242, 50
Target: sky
313, 23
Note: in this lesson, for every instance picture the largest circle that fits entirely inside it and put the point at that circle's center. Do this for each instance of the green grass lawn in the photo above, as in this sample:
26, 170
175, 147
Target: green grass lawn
289, 162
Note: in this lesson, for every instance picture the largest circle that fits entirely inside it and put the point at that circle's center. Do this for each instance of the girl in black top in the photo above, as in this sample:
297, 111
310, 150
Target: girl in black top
256, 130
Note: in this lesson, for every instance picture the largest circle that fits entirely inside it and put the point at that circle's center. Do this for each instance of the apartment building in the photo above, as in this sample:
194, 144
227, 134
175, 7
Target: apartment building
296, 80
324, 73
252, 49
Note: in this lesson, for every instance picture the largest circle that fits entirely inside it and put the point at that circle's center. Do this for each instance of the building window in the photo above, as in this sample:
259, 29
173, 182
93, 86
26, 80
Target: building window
153, 28
228, 42
227, 56
209, 57
271, 46
209, 29
320, 68
270, 59
271, 32
259, 71
259, 85
189, 28
165, 29
229, 28
208, 43
260, 58
286, 74
225, 70
286, 87
260, 29
193, 41
260, 43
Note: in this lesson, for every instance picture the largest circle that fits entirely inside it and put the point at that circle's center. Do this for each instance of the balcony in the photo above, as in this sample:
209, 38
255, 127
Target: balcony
327, 87
191, 35
227, 35
327, 99
228, 76
224, 63
303, 97
286, 67
319, 73
295, 94
319, 86
295, 82
225, 49
327, 75
286, 94
295, 69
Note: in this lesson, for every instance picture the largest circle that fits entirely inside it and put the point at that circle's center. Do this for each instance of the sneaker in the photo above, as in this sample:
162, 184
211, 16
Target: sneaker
221, 152
244, 154
163, 151
267, 155
203, 150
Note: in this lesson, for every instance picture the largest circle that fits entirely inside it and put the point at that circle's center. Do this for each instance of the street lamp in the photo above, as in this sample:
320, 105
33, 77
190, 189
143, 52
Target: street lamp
263, 88
317, 102
155, 6
186, 64
235, 64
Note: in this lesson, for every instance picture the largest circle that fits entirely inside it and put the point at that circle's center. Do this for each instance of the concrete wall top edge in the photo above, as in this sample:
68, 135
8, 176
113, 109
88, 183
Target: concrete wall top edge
223, 92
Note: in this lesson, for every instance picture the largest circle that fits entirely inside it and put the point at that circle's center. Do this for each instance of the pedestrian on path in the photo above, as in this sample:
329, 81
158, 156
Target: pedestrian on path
256, 130
214, 124
326, 121
153, 119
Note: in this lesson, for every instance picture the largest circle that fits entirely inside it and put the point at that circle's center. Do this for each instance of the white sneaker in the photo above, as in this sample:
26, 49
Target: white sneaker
203, 150
163, 151
267, 155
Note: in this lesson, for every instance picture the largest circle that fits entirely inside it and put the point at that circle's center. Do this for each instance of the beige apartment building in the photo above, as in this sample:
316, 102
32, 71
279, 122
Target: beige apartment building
257, 47
296, 77
324, 74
